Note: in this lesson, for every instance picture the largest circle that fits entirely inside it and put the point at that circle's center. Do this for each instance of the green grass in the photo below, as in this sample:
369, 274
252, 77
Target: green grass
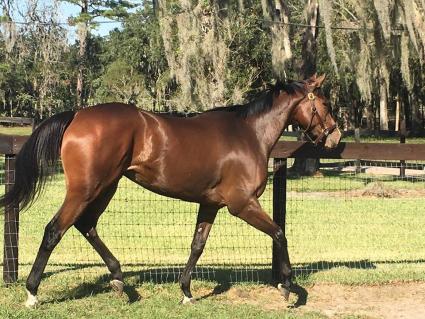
26, 130
371, 139
69, 299
146, 229
16, 130
324, 232
375, 139
333, 237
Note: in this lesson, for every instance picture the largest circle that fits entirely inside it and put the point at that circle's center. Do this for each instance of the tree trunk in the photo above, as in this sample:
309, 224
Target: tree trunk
397, 113
370, 117
309, 166
241, 5
309, 44
282, 15
155, 6
82, 55
277, 12
383, 105
414, 113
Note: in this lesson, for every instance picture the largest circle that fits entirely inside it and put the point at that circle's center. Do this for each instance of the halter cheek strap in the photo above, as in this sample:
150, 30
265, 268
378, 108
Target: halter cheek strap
325, 130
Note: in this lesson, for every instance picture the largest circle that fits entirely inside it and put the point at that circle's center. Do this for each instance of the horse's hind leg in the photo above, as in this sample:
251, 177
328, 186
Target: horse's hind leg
111, 262
206, 216
69, 212
87, 226
254, 215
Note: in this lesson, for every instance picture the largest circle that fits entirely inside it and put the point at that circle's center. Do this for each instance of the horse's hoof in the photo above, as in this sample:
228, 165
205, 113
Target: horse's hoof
284, 291
117, 286
32, 301
187, 301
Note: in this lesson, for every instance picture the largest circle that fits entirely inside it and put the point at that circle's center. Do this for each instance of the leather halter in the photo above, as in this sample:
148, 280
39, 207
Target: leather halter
325, 130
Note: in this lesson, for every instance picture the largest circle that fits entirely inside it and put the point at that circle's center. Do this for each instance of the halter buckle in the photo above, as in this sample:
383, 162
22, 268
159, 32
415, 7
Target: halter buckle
311, 96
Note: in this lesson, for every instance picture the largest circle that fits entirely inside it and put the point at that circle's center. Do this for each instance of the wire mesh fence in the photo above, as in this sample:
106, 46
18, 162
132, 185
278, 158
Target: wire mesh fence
11, 226
151, 237
355, 214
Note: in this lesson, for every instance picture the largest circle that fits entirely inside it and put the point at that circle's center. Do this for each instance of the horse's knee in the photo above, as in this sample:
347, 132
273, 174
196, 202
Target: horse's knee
280, 239
198, 246
184, 282
282, 243
86, 228
111, 262
52, 236
32, 285
114, 267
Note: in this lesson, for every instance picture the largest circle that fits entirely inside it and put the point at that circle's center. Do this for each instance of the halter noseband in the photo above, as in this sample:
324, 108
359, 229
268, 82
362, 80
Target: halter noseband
325, 130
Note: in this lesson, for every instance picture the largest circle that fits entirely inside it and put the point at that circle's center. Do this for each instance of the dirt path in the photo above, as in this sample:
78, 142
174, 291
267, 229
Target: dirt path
401, 300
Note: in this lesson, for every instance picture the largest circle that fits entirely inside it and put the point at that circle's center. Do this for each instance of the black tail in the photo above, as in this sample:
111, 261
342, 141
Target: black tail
35, 160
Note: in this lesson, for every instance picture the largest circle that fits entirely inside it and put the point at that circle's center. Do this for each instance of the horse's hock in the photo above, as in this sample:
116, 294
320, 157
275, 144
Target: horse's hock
367, 218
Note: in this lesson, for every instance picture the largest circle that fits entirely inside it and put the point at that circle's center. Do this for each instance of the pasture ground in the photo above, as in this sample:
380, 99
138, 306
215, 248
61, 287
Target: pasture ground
15, 130
363, 258
62, 297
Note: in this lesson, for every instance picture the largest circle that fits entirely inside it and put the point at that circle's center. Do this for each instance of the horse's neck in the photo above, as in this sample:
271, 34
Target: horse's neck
269, 125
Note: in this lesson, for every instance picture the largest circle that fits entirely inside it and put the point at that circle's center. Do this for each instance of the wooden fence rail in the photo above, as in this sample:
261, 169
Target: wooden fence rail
16, 120
10, 146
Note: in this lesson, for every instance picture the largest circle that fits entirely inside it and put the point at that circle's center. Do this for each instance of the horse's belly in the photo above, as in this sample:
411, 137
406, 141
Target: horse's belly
188, 188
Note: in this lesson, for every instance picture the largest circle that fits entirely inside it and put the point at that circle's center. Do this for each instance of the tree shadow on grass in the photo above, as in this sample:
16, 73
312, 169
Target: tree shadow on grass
225, 278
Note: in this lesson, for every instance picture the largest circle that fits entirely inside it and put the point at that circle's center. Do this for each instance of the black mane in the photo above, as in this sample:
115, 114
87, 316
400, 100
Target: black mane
262, 102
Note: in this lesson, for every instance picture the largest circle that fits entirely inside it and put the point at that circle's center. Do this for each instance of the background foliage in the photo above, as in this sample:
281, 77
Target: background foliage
192, 55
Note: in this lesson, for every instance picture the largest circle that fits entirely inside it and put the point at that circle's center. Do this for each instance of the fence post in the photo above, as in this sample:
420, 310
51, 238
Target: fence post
279, 207
11, 227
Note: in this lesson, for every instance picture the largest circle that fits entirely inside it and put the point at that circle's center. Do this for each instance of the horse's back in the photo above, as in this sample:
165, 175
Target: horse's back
107, 112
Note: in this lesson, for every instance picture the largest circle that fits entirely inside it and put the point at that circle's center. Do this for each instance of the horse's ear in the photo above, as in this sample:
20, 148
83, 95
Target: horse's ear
319, 80
312, 78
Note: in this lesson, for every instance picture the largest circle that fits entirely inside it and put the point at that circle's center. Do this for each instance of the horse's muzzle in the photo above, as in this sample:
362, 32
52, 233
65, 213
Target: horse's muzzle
333, 139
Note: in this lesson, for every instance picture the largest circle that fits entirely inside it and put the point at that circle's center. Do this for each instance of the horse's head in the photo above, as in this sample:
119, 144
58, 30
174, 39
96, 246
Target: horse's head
313, 114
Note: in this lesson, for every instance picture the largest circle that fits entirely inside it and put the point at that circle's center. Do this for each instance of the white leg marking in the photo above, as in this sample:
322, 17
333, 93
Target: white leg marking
285, 292
187, 300
117, 286
32, 300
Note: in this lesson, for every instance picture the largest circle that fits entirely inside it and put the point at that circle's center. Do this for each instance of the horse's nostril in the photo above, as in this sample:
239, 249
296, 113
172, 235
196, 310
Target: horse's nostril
333, 139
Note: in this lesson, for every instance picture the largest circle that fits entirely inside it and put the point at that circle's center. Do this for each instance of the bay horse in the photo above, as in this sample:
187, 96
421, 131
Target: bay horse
217, 158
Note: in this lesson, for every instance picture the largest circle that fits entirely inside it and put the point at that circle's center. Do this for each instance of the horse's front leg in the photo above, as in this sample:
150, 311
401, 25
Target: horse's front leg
206, 216
253, 214
285, 269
